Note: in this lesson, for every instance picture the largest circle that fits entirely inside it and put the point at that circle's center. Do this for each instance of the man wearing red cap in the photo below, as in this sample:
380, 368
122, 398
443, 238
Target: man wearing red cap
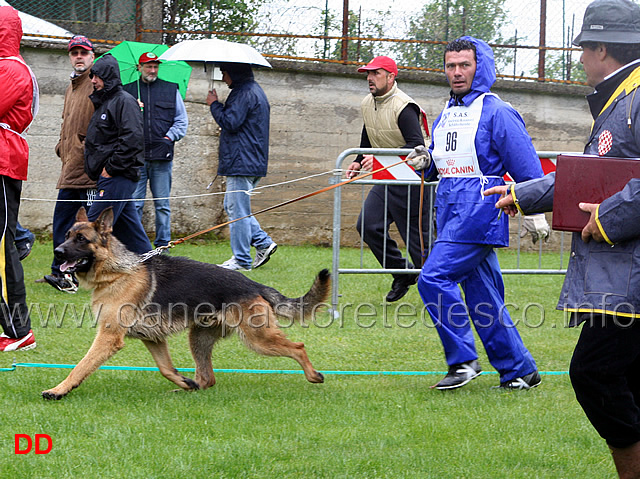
75, 188
391, 120
165, 122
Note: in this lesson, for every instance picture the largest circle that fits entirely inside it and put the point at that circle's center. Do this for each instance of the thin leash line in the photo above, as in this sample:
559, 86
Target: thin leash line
182, 197
284, 203
263, 371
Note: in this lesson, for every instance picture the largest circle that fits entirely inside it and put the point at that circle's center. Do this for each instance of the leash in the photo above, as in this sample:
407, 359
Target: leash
420, 209
171, 244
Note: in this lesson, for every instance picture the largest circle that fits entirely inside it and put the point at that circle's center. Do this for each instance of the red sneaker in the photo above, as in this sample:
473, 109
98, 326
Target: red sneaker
20, 344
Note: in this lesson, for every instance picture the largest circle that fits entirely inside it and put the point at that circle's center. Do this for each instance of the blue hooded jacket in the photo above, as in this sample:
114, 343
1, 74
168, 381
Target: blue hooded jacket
502, 145
244, 120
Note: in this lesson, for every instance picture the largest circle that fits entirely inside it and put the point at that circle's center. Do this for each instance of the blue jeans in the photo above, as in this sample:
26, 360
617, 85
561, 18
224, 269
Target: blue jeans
22, 234
64, 216
127, 226
247, 232
158, 173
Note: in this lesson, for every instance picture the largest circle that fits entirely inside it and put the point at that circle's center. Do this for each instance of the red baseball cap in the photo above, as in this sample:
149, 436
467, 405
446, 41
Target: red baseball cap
383, 62
148, 57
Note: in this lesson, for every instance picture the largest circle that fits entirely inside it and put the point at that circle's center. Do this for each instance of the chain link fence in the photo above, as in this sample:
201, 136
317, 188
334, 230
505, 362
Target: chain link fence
531, 40
414, 32
109, 20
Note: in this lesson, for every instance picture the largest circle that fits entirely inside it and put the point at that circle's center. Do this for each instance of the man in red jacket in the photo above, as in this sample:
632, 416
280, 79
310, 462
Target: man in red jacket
18, 105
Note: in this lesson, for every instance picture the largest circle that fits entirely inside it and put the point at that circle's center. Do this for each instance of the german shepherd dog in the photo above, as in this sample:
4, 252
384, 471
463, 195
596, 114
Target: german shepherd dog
152, 299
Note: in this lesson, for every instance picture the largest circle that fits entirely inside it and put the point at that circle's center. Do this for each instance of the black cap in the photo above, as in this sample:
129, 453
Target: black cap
610, 21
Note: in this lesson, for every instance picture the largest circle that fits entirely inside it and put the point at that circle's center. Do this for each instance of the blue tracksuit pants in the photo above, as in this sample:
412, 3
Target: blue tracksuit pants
474, 267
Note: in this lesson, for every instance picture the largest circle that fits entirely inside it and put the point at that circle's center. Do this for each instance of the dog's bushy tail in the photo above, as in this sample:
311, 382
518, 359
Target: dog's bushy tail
296, 309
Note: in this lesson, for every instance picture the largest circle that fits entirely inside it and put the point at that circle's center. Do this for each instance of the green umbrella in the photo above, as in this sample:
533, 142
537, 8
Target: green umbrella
127, 53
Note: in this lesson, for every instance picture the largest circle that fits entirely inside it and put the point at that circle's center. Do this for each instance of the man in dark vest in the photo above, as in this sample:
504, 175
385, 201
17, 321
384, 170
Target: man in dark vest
165, 122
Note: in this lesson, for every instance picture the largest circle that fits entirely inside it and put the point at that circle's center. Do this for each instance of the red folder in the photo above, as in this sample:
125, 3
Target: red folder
587, 179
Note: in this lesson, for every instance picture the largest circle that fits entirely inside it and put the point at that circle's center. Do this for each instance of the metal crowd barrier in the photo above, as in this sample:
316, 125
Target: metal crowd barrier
337, 224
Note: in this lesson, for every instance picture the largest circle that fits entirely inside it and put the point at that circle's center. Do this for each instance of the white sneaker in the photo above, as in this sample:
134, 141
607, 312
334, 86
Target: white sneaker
263, 255
233, 265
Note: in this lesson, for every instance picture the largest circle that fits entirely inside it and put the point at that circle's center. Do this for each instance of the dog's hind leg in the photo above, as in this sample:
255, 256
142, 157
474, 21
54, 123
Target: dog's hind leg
259, 329
201, 342
160, 352
107, 342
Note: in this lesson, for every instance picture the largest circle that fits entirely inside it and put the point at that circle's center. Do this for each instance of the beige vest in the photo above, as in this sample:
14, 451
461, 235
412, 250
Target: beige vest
380, 114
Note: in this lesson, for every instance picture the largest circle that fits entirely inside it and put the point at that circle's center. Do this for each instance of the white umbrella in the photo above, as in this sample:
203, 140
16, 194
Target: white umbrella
212, 50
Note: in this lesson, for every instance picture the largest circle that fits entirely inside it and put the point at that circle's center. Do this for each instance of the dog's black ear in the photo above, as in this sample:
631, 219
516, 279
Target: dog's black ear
105, 221
81, 215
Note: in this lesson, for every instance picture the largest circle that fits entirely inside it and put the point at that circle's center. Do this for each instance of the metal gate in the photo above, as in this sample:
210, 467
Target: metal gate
337, 223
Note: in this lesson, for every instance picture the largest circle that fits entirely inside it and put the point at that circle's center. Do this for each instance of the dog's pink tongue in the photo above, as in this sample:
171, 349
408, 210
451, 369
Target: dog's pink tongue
66, 265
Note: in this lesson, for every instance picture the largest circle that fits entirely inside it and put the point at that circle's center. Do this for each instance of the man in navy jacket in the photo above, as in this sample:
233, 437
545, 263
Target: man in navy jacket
243, 158
165, 122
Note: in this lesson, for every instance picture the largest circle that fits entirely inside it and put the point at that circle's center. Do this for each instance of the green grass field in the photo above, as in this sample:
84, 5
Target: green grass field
130, 423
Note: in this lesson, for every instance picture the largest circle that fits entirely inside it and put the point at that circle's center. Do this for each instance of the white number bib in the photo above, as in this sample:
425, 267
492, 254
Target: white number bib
454, 150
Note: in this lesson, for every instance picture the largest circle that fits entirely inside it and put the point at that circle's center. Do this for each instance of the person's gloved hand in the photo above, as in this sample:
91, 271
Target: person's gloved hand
536, 225
419, 158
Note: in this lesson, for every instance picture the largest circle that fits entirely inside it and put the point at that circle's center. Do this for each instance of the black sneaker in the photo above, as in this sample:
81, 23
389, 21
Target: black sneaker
66, 283
459, 375
24, 247
525, 382
400, 286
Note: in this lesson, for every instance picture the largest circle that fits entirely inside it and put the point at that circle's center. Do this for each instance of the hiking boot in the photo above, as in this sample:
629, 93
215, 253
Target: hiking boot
400, 287
17, 344
63, 282
24, 247
459, 375
525, 382
263, 255
233, 265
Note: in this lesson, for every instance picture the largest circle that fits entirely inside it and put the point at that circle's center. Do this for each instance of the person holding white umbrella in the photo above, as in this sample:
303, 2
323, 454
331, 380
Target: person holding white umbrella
243, 159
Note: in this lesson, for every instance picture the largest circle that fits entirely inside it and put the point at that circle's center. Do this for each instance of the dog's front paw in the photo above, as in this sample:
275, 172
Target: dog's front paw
51, 395
190, 384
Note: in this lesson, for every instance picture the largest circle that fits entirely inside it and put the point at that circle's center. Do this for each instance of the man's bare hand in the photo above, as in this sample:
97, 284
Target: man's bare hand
212, 96
367, 163
353, 170
505, 202
591, 229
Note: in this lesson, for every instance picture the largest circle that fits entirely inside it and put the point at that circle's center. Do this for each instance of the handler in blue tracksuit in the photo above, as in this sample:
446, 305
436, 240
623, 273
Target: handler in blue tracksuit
476, 139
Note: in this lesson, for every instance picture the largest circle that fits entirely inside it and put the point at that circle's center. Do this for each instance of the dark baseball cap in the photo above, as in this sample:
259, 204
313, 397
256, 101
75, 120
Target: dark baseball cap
610, 21
80, 41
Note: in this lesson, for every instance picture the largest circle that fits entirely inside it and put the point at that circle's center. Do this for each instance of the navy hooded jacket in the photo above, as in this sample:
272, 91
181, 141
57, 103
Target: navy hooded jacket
115, 138
244, 120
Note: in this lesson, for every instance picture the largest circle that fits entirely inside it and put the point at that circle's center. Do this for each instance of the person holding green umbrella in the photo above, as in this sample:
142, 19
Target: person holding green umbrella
165, 122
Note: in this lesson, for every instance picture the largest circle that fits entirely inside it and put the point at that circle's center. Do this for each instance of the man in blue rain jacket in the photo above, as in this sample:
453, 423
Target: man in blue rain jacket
476, 140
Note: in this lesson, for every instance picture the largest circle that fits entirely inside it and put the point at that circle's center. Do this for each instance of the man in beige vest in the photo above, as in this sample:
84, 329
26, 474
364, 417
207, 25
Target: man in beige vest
391, 120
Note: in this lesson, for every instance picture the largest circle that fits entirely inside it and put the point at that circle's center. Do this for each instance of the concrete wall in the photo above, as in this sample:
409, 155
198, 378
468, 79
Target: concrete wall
314, 116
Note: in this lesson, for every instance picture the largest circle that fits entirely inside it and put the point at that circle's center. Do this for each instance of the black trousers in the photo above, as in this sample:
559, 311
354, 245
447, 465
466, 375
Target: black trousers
605, 374
14, 314
402, 208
